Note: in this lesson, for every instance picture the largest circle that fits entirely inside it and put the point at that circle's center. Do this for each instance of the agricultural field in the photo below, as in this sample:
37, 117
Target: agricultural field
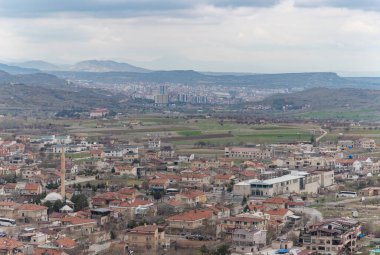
181, 131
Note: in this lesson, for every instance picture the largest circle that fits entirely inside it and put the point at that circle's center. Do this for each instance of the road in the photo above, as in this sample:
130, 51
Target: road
350, 200
80, 180
324, 133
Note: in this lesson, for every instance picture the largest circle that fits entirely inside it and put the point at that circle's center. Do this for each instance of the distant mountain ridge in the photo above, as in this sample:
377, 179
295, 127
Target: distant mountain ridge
33, 79
17, 70
268, 81
106, 66
39, 64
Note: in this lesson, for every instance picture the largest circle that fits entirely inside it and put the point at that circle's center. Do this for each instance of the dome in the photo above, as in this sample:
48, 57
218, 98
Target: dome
53, 196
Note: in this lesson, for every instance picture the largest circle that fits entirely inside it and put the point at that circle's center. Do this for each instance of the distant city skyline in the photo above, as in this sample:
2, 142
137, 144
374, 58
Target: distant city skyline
257, 36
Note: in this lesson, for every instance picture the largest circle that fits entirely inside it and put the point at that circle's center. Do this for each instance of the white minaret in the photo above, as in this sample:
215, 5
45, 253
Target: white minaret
63, 174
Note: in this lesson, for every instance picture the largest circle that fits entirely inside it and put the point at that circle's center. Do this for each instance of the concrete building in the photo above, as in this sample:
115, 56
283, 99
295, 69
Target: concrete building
147, 237
248, 240
333, 236
247, 153
296, 182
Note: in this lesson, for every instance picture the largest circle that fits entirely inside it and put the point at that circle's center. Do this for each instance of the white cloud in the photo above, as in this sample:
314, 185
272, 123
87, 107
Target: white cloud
283, 38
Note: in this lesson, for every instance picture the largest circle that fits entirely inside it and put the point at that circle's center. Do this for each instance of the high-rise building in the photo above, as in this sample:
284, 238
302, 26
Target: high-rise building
161, 99
182, 98
163, 90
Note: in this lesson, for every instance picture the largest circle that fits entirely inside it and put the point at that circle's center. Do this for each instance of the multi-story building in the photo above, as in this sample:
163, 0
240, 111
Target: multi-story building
366, 143
248, 240
332, 236
247, 153
147, 237
295, 182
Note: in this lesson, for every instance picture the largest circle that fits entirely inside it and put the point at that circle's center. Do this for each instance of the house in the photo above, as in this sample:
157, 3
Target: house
220, 210
33, 211
147, 237
10, 246
159, 184
191, 219
246, 221
248, 240
126, 170
192, 197
97, 154
154, 144
135, 208
7, 209
48, 251
276, 202
9, 170
196, 179
76, 224
176, 205
104, 199
166, 152
223, 179
345, 145
65, 243
279, 214
366, 144
99, 113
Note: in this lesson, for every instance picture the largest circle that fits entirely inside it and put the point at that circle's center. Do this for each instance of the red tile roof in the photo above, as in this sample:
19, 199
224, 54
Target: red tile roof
280, 212
9, 244
146, 229
192, 194
276, 200
192, 215
31, 207
66, 243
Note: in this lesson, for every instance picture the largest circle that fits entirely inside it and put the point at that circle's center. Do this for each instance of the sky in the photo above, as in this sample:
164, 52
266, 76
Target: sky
258, 36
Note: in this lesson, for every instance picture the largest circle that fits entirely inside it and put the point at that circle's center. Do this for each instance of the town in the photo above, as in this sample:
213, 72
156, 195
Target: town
88, 190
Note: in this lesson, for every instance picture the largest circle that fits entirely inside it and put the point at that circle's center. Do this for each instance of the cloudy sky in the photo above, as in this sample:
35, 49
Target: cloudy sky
208, 35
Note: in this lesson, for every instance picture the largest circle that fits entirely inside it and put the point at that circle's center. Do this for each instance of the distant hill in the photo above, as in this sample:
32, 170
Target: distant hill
47, 93
17, 70
20, 96
38, 64
33, 79
327, 99
287, 80
105, 66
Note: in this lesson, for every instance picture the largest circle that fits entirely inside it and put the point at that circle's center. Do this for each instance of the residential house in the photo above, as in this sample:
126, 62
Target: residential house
192, 197
223, 179
190, 220
248, 240
332, 236
147, 238
33, 211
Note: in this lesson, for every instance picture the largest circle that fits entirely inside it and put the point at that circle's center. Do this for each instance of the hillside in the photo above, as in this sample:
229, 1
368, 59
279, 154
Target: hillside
38, 64
105, 66
17, 70
319, 99
47, 99
37, 79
